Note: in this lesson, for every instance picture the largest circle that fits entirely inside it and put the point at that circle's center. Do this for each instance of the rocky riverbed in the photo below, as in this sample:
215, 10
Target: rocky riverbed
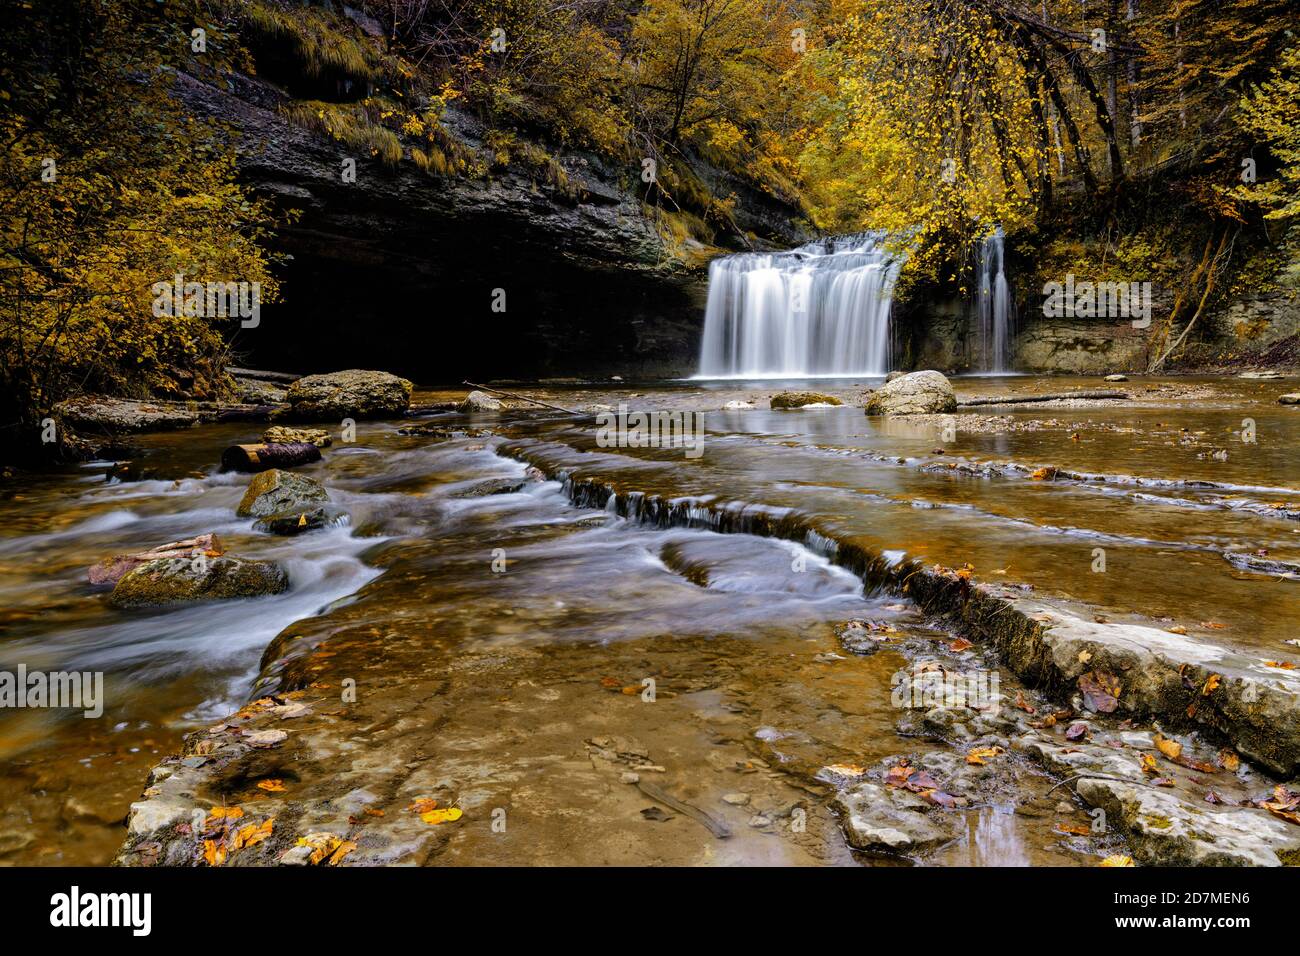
832, 638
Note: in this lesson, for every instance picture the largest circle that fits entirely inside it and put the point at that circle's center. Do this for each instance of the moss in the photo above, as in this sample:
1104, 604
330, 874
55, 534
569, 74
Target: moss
1156, 823
349, 123
318, 43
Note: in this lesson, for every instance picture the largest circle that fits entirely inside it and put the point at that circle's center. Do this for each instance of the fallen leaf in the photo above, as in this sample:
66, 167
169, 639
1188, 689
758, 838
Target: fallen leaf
342, 850
253, 834
1170, 748
1177, 629
214, 853
1149, 764
1284, 665
271, 785
978, 756
1229, 760
1101, 691
959, 645
1074, 828
1211, 685
1117, 861
846, 769
1213, 625
225, 813
436, 817
1076, 731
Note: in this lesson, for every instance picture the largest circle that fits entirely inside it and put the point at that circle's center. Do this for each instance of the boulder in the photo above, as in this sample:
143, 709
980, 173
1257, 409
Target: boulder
800, 399
354, 393
1293, 398
179, 580
893, 375
276, 492
916, 393
477, 401
1117, 378
300, 521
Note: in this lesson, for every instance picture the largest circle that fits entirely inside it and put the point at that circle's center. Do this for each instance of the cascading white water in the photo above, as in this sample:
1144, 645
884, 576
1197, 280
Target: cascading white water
819, 310
996, 316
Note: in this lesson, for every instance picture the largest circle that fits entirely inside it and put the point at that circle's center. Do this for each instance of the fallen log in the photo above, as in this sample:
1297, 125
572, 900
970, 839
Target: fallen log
1048, 397
263, 375
263, 456
111, 570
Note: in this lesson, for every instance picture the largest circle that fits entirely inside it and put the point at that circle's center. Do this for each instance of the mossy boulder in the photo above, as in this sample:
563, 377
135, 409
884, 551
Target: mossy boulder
276, 492
283, 435
181, 580
916, 393
800, 399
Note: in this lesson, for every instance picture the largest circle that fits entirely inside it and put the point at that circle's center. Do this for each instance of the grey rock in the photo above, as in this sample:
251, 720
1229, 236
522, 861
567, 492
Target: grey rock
916, 393
888, 819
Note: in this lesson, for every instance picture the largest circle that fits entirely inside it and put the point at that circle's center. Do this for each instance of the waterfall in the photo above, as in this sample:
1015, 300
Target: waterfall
819, 310
995, 307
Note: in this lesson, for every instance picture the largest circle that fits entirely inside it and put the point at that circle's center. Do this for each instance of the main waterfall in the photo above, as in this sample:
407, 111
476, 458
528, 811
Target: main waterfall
819, 310
994, 306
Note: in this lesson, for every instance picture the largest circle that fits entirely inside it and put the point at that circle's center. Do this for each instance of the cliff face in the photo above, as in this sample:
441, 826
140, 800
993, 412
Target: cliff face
401, 269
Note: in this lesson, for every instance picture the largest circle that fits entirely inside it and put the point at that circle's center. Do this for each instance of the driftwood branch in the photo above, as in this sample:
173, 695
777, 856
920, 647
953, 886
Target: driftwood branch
1049, 397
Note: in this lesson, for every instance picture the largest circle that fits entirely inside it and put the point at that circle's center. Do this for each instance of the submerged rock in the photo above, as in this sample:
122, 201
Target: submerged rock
801, 399
283, 435
916, 393
492, 486
1292, 398
355, 393
1269, 376
477, 401
1117, 378
300, 521
177, 580
275, 492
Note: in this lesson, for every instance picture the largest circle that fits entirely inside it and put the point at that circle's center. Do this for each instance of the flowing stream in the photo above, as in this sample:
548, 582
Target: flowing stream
493, 673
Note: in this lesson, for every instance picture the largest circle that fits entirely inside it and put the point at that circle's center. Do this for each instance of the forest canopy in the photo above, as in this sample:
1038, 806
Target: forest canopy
1168, 128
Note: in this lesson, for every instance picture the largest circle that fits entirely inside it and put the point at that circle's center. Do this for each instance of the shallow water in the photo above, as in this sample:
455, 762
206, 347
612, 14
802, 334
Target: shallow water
726, 620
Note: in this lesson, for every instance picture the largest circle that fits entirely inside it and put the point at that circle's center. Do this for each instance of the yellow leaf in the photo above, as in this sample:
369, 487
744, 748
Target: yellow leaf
435, 817
271, 785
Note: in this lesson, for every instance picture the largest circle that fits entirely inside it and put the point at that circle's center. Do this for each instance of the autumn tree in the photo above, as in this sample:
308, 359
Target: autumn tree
107, 186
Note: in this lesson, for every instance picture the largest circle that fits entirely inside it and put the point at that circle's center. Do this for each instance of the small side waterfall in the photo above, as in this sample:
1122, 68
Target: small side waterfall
995, 307
819, 310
